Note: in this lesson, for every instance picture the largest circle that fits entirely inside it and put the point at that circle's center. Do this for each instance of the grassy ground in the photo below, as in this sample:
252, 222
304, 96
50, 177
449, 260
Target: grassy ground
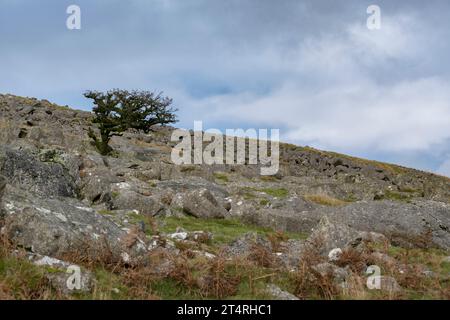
201, 278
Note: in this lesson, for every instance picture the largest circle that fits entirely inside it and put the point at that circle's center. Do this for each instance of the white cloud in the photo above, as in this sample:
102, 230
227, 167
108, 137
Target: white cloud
347, 108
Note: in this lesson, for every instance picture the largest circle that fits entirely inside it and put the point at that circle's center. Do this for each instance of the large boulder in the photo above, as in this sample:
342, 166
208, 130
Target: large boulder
96, 184
419, 223
201, 203
330, 235
194, 183
47, 179
57, 226
124, 197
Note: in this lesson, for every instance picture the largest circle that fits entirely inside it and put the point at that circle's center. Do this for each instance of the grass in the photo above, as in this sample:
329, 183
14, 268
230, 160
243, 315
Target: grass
325, 200
224, 230
397, 196
115, 194
20, 279
276, 192
221, 177
220, 278
105, 212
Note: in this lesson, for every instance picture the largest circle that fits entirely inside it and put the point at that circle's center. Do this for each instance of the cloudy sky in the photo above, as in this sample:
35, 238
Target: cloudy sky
310, 68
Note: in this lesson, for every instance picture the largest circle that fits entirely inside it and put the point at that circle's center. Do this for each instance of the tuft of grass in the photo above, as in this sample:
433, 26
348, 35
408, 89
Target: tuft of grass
269, 178
325, 200
105, 212
20, 279
276, 192
222, 177
115, 194
393, 195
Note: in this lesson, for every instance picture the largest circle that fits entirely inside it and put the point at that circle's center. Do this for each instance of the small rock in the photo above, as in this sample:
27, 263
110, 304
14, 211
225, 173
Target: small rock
200, 236
279, 294
204, 254
389, 284
335, 254
340, 274
243, 245
179, 235
428, 273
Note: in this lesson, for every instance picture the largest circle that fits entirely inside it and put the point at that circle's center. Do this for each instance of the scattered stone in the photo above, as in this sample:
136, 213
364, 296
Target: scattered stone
178, 236
279, 294
325, 268
335, 254
242, 246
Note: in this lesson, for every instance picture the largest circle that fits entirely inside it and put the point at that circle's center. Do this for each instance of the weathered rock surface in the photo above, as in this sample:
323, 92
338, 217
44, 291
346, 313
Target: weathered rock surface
416, 223
47, 179
244, 245
201, 204
56, 226
57, 184
279, 294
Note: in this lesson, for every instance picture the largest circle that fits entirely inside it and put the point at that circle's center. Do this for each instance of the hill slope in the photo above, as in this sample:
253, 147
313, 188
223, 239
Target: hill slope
63, 200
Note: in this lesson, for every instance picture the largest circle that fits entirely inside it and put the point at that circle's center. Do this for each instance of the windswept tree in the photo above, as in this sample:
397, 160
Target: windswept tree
118, 110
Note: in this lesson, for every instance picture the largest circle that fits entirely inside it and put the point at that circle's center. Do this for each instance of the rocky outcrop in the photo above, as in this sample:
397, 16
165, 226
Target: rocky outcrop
47, 179
419, 223
202, 204
56, 226
62, 196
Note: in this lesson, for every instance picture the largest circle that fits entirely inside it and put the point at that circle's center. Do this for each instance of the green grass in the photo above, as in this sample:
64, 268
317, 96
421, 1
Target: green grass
115, 194
397, 196
224, 230
276, 192
21, 278
105, 212
221, 177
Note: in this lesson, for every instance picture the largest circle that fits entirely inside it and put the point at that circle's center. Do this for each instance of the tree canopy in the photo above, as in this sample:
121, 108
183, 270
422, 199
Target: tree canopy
118, 110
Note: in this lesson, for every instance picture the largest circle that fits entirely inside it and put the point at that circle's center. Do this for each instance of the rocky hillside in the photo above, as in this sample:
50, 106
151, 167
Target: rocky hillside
142, 227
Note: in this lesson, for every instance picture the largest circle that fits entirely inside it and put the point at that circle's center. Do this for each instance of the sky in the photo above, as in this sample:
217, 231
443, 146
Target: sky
309, 68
